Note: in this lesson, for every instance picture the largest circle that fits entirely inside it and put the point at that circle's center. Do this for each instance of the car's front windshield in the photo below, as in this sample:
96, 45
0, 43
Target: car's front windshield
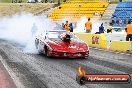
60, 35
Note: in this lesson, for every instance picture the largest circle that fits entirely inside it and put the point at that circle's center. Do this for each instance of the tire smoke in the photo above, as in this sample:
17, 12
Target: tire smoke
80, 25
22, 29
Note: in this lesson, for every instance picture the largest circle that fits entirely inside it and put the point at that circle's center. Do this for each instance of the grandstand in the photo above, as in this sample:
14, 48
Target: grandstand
122, 14
74, 9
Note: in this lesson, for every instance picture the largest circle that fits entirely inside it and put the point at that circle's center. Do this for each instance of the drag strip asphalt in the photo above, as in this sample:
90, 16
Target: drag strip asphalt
38, 71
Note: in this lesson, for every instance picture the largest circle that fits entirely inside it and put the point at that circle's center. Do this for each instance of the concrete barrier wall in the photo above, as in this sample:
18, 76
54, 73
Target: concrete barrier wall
93, 40
102, 41
112, 37
121, 46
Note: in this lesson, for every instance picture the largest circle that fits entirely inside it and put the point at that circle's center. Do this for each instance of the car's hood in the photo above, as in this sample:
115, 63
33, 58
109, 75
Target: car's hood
72, 47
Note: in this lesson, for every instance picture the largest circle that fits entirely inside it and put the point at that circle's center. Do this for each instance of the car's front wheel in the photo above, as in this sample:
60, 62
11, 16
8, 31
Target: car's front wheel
86, 57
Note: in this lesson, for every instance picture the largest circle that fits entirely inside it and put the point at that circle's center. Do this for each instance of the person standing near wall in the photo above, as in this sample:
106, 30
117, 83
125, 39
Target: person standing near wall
71, 27
88, 26
67, 26
109, 29
129, 31
101, 28
62, 26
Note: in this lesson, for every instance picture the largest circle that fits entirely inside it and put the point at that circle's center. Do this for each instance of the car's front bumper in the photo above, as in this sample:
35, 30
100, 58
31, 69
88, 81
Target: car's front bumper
68, 54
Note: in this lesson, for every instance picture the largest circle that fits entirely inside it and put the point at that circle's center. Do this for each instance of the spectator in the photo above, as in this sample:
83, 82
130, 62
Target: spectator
36, 0
71, 27
66, 26
103, 6
101, 14
120, 0
63, 26
120, 21
113, 15
124, 21
96, 14
101, 28
129, 20
20, 1
113, 21
117, 21
88, 26
42, 1
14, 1
129, 31
59, 7
109, 29
58, 2
79, 5
64, 0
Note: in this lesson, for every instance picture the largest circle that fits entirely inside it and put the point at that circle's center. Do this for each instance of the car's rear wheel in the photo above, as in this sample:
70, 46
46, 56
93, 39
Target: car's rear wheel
37, 47
39, 52
47, 51
36, 43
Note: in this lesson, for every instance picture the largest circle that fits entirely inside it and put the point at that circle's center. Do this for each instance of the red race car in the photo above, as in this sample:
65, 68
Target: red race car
61, 44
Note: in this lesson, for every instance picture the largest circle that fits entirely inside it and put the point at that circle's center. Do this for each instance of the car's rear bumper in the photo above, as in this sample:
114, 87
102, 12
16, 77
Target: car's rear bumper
69, 55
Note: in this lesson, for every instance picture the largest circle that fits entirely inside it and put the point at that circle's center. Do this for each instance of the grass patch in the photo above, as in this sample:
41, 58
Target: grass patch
9, 1
8, 9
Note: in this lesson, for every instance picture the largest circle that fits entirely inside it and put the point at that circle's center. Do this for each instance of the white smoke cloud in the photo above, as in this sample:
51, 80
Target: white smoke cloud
80, 25
22, 28
19, 28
